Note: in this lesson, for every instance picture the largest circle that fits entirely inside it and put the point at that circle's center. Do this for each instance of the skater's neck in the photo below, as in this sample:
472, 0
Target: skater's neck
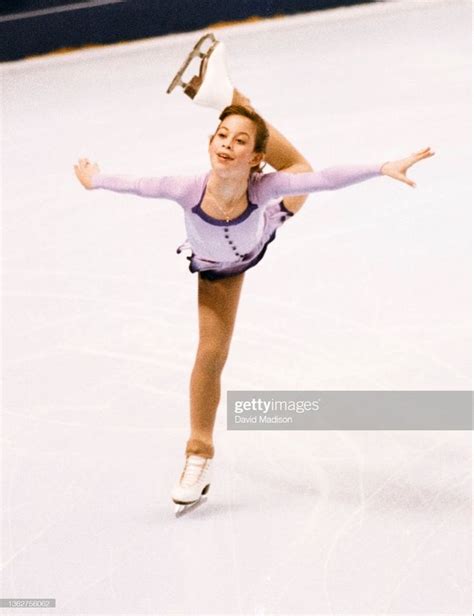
227, 189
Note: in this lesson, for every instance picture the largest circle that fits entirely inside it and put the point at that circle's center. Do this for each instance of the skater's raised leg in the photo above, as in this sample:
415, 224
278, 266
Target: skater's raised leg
217, 301
280, 154
213, 88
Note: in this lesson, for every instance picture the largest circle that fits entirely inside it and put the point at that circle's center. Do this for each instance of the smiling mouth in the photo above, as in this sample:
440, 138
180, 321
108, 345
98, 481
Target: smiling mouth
225, 156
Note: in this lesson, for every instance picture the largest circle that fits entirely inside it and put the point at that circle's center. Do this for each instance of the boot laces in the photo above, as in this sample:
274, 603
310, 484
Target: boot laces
193, 470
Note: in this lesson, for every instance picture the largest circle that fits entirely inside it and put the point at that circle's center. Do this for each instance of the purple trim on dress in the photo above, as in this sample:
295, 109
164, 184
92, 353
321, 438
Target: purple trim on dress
197, 209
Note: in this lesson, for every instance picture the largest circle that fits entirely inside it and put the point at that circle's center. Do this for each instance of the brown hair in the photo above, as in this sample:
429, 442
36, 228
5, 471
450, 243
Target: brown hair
261, 130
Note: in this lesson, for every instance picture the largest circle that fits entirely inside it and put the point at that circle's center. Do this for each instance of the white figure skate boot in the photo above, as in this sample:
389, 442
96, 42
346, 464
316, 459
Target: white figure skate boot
194, 482
212, 87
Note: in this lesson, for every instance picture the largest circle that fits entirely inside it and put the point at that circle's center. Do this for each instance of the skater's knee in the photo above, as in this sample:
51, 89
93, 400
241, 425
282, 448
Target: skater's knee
212, 357
294, 204
300, 166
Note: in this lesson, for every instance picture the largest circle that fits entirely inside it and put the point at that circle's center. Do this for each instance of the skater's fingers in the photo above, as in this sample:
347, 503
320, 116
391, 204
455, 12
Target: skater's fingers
427, 155
420, 151
415, 158
86, 166
421, 154
83, 176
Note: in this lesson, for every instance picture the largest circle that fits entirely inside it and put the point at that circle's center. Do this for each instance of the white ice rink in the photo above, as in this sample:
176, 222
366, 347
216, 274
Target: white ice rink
367, 288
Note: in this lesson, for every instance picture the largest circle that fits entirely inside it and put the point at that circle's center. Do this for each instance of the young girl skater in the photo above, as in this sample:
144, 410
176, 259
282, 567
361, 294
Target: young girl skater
231, 214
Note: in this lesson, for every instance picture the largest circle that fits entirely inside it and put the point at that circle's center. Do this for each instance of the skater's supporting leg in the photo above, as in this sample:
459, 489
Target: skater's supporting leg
218, 301
281, 154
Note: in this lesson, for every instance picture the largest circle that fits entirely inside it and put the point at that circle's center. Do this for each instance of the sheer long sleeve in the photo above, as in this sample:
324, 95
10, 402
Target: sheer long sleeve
181, 189
281, 183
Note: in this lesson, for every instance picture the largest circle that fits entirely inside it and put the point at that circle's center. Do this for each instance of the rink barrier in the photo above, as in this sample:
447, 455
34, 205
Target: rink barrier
54, 26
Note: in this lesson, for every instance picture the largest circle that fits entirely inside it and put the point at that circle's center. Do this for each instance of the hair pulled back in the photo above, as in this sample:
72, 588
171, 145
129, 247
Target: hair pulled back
261, 130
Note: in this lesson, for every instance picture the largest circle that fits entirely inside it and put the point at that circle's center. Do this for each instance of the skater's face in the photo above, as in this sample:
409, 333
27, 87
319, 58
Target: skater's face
232, 147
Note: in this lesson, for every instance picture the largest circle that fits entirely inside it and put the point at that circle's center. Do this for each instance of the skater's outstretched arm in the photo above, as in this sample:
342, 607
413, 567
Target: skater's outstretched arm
176, 188
274, 185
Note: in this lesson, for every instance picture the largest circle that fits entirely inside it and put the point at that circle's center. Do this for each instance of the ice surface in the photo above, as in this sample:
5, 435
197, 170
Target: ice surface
366, 288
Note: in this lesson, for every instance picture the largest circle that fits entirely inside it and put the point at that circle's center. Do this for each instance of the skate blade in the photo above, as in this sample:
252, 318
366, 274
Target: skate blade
195, 53
181, 509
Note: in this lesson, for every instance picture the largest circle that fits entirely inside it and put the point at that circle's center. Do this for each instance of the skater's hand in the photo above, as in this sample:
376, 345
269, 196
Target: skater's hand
85, 171
398, 168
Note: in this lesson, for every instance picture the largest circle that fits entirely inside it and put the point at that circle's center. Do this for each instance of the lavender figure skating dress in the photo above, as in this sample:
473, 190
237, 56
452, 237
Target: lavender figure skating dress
221, 248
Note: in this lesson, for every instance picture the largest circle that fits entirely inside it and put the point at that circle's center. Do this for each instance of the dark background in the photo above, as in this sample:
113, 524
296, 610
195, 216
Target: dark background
32, 27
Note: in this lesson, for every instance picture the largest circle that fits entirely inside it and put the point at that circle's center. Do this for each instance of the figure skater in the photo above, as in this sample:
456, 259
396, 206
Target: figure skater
231, 214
